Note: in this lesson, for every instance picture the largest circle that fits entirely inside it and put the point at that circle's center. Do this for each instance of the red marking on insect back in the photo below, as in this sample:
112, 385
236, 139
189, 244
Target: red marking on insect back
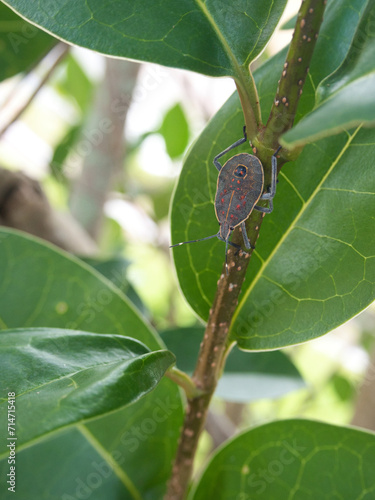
236, 208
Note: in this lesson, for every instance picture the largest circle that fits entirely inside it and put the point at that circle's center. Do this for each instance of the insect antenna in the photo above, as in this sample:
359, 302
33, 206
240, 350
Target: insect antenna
194, 241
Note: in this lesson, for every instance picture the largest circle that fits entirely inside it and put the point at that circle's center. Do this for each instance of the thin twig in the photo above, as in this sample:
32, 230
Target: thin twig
58, 53
25, 75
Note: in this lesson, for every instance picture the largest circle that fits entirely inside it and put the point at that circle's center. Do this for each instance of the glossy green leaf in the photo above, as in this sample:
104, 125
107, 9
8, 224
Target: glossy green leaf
293, 459
194, 194
215, 38
87, 474
352, 105
21, 44
346, 98
115, 269
41, 286
314, 265
175, 131
247, 376
321, 269
65, 377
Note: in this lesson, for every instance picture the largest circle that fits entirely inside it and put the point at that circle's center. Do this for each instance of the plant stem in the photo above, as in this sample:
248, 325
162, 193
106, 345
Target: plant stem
248, 95
183, 380
296, 67
208, 370
216, 340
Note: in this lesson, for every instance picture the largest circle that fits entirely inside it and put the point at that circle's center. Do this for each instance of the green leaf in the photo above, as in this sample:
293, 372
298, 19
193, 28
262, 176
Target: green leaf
247, 376
115, 269
341, 19
352, 105
75, 84
215, 37
21, 44
41, 286
86, 474
313, 267
343, 387
62, 151
66, 377
175, 131
290, 24
346, 98
297, 459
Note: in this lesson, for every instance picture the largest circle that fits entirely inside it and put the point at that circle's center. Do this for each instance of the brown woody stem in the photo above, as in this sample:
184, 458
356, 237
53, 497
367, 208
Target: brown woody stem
208, 370
216, 341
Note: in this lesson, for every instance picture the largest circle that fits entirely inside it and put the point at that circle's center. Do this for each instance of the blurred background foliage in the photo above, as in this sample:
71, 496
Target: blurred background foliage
160, 111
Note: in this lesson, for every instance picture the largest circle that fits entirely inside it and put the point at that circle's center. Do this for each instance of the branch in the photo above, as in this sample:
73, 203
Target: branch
211, 359
103, 163
296, 67
24, 77
24, 206
58, 53
216, 342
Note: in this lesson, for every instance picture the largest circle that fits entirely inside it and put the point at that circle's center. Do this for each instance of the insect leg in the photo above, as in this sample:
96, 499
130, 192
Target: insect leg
237, 143
235, 245
265, 210
272, 191
245, 237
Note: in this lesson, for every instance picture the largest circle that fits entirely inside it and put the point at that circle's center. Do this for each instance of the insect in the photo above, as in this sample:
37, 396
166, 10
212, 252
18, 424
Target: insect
239, 187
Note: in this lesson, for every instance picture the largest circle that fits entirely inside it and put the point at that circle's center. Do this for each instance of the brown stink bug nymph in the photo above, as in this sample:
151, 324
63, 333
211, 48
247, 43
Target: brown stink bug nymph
239, 187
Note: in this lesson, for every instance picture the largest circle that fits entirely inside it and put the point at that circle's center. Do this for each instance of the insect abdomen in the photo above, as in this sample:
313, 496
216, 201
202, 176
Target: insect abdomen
239, 187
